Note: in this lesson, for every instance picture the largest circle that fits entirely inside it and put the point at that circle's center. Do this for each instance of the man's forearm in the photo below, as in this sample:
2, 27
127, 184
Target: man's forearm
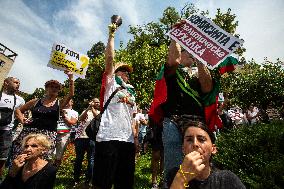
174, 55
109, 55
205, 78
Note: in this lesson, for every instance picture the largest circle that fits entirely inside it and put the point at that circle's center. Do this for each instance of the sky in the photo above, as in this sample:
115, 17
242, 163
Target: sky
30, 27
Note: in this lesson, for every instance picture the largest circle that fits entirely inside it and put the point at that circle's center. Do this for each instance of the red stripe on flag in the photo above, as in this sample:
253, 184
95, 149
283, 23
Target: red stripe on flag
160, 96
225, 69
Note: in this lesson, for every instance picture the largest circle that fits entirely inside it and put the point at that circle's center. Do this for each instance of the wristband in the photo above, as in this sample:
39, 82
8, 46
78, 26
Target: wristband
183, 174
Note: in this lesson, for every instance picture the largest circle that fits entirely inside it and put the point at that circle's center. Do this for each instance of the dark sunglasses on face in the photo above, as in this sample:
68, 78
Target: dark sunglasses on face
33, 146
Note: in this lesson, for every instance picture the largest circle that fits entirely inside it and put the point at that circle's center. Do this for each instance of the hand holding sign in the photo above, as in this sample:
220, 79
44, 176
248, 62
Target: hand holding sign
68, 72
205, 40
178, 24
63, 58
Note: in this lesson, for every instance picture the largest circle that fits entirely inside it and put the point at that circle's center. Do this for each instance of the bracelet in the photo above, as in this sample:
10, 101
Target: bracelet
111, 34
112, 28
183, 174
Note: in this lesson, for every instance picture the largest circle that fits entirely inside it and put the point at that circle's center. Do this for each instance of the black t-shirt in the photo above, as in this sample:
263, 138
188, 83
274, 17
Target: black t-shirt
218, 179
178, 101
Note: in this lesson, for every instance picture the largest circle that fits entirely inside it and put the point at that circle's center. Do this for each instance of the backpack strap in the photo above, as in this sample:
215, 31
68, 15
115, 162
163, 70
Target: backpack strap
15, 99
109, 99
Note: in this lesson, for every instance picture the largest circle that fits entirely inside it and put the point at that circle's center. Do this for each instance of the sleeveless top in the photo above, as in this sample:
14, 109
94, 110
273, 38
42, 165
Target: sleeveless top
45, 118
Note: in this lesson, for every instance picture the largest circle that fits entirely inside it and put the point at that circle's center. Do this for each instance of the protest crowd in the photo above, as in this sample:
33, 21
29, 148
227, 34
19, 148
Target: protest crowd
114, 131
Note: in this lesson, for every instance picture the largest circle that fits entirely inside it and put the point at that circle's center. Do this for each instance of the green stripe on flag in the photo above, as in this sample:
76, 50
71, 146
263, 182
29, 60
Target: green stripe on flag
229, 61
210, 98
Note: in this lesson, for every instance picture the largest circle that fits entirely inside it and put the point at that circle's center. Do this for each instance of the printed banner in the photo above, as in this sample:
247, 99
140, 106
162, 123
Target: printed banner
63, 58
205, 40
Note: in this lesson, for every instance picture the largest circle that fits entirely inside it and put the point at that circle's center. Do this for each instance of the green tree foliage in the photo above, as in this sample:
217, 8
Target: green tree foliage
38, 93
96, 50
255, 154
170, 17
255, 83
227, 22
146, 62
89, 88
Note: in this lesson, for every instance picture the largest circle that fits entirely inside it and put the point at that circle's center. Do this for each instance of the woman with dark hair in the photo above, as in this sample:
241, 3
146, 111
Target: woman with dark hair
196, 172
45, 113
29, 169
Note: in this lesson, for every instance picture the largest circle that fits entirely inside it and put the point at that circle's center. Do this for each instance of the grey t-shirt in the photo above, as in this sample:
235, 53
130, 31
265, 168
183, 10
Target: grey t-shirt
218, 179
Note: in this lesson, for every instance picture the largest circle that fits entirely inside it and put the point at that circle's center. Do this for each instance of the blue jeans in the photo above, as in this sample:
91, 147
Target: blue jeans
172, 142
83, 145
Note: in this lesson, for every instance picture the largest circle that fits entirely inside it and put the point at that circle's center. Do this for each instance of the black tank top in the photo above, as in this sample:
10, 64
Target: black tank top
45, 117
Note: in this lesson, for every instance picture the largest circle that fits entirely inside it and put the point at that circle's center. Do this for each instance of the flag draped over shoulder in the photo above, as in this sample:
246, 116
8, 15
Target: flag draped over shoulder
210, 101
228, 65
160, 96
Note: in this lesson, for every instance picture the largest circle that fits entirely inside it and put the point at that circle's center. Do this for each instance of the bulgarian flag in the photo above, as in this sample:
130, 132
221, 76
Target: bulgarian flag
210, 101
228, 65
160, 96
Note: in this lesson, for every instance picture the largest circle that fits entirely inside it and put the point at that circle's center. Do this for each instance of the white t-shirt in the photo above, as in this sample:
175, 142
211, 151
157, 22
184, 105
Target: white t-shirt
116, 121
8, 101
62, 127
81, 130
236, 116
138, 117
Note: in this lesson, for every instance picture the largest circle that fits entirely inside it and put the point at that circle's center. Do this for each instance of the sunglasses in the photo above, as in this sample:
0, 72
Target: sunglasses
33, 146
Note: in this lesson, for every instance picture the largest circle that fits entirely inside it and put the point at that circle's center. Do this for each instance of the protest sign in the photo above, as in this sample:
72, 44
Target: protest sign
205, 40
63, 58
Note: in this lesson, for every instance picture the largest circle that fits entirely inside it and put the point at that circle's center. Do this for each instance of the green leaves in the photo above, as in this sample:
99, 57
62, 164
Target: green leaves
255, 83
254, 153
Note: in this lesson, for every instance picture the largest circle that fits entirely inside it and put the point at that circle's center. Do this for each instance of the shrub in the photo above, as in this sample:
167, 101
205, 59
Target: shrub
255, 153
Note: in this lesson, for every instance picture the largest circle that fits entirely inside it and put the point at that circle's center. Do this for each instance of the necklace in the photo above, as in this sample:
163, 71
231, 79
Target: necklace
48, 102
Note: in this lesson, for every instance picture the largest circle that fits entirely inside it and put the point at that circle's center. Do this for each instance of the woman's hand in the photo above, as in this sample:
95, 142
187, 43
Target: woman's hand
192, 164
17, 164
69, 74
